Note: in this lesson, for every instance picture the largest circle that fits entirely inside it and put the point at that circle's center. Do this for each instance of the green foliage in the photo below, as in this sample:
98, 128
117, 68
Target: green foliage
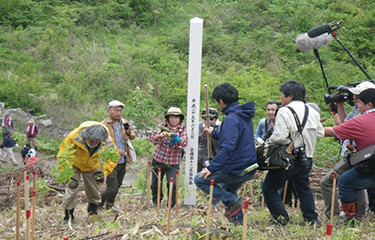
42, 189
108, 154
64, 170
143, 147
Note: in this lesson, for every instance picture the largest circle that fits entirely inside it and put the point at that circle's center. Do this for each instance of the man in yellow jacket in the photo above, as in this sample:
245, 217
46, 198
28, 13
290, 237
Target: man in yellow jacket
86, 141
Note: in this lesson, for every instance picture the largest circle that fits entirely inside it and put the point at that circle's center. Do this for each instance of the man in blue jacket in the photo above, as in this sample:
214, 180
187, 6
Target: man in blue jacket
233, 164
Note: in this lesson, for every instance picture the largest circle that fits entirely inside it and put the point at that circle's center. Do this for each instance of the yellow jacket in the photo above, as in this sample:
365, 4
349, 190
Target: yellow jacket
82, 159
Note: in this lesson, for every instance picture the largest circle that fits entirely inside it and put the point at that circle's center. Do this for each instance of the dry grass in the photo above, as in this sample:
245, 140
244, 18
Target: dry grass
137, 219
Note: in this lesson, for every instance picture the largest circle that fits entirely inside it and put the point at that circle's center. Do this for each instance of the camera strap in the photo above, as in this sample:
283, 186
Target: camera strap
299, 126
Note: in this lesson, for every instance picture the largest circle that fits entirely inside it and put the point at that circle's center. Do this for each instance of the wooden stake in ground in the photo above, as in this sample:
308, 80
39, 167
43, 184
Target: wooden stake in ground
27, 231
18, 210
149, 180
209, 209
285, 190
244, 224
244, 190
35, 179
251, 190
170, 205
330, 224
176, 206
158, 197
264, 177
207, 122
33, 216
27, 192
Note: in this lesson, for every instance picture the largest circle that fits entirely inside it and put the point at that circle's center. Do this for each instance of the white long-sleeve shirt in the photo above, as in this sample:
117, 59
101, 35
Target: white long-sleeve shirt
286, 126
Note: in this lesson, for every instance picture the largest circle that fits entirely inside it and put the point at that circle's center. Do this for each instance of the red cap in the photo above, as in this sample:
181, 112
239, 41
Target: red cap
171, 179
334, 175
159, 170
34, 193
27, 177
66, 238
212, 182
329, 229
28, 213
246, 204
177, 172
18, 183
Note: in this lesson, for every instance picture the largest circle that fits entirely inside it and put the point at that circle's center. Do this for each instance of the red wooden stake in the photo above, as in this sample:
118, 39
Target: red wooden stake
176, 206
159, 190
27, 231
170, 205
27, 192
18, 211
212, 182
328, 231
244, 224
33, 216
35, 178
333, 197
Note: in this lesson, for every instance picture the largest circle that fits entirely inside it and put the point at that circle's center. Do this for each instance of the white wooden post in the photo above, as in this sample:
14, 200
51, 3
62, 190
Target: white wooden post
195, 60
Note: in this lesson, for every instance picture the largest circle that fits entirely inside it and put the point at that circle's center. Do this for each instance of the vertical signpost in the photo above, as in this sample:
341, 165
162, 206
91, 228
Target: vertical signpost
195, 59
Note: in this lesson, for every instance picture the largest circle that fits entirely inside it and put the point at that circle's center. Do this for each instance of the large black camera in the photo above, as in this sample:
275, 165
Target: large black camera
344, 95
300, 153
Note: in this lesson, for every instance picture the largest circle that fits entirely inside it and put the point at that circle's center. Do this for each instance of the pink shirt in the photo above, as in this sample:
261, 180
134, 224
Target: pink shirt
361, 129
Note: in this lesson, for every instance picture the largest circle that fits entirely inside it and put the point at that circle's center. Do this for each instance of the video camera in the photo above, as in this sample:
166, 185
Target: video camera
343, 95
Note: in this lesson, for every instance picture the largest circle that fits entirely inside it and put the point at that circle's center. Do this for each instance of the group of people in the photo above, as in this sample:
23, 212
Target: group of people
295, 122
232, 159
8, 143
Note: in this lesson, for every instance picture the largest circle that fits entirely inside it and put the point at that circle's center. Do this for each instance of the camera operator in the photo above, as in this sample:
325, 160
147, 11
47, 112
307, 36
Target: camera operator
342, 166
362, 176
293, 95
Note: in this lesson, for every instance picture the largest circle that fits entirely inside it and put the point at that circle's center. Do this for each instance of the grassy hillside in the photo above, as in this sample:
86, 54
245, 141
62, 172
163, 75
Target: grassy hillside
69, 58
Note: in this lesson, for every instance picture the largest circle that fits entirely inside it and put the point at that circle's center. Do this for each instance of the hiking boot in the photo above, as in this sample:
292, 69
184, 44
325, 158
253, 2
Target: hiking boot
92, 208
69, 214
315, 222
237, 219
234, 209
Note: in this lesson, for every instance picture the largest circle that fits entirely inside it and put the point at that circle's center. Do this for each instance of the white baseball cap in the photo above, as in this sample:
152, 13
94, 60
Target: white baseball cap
116, 103
360, 87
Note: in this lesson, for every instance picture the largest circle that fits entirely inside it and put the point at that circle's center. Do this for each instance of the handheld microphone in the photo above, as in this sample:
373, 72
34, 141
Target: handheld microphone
317, 31
305, 43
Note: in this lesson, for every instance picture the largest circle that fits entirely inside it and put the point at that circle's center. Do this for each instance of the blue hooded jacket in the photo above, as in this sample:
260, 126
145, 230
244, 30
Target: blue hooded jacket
237, 147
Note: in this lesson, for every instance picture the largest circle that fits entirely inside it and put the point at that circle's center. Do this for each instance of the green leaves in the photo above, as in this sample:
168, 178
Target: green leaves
64, 170
108, 154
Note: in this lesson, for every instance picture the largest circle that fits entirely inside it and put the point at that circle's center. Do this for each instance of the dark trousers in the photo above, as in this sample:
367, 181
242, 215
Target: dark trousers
171, 173
114, 181
275, 179
371, 199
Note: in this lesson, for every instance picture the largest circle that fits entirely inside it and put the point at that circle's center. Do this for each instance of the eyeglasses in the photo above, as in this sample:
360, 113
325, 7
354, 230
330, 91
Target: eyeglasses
211, 118
116, 111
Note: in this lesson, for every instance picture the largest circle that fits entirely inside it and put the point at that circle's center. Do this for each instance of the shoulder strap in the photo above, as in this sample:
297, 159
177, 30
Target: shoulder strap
299, 126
